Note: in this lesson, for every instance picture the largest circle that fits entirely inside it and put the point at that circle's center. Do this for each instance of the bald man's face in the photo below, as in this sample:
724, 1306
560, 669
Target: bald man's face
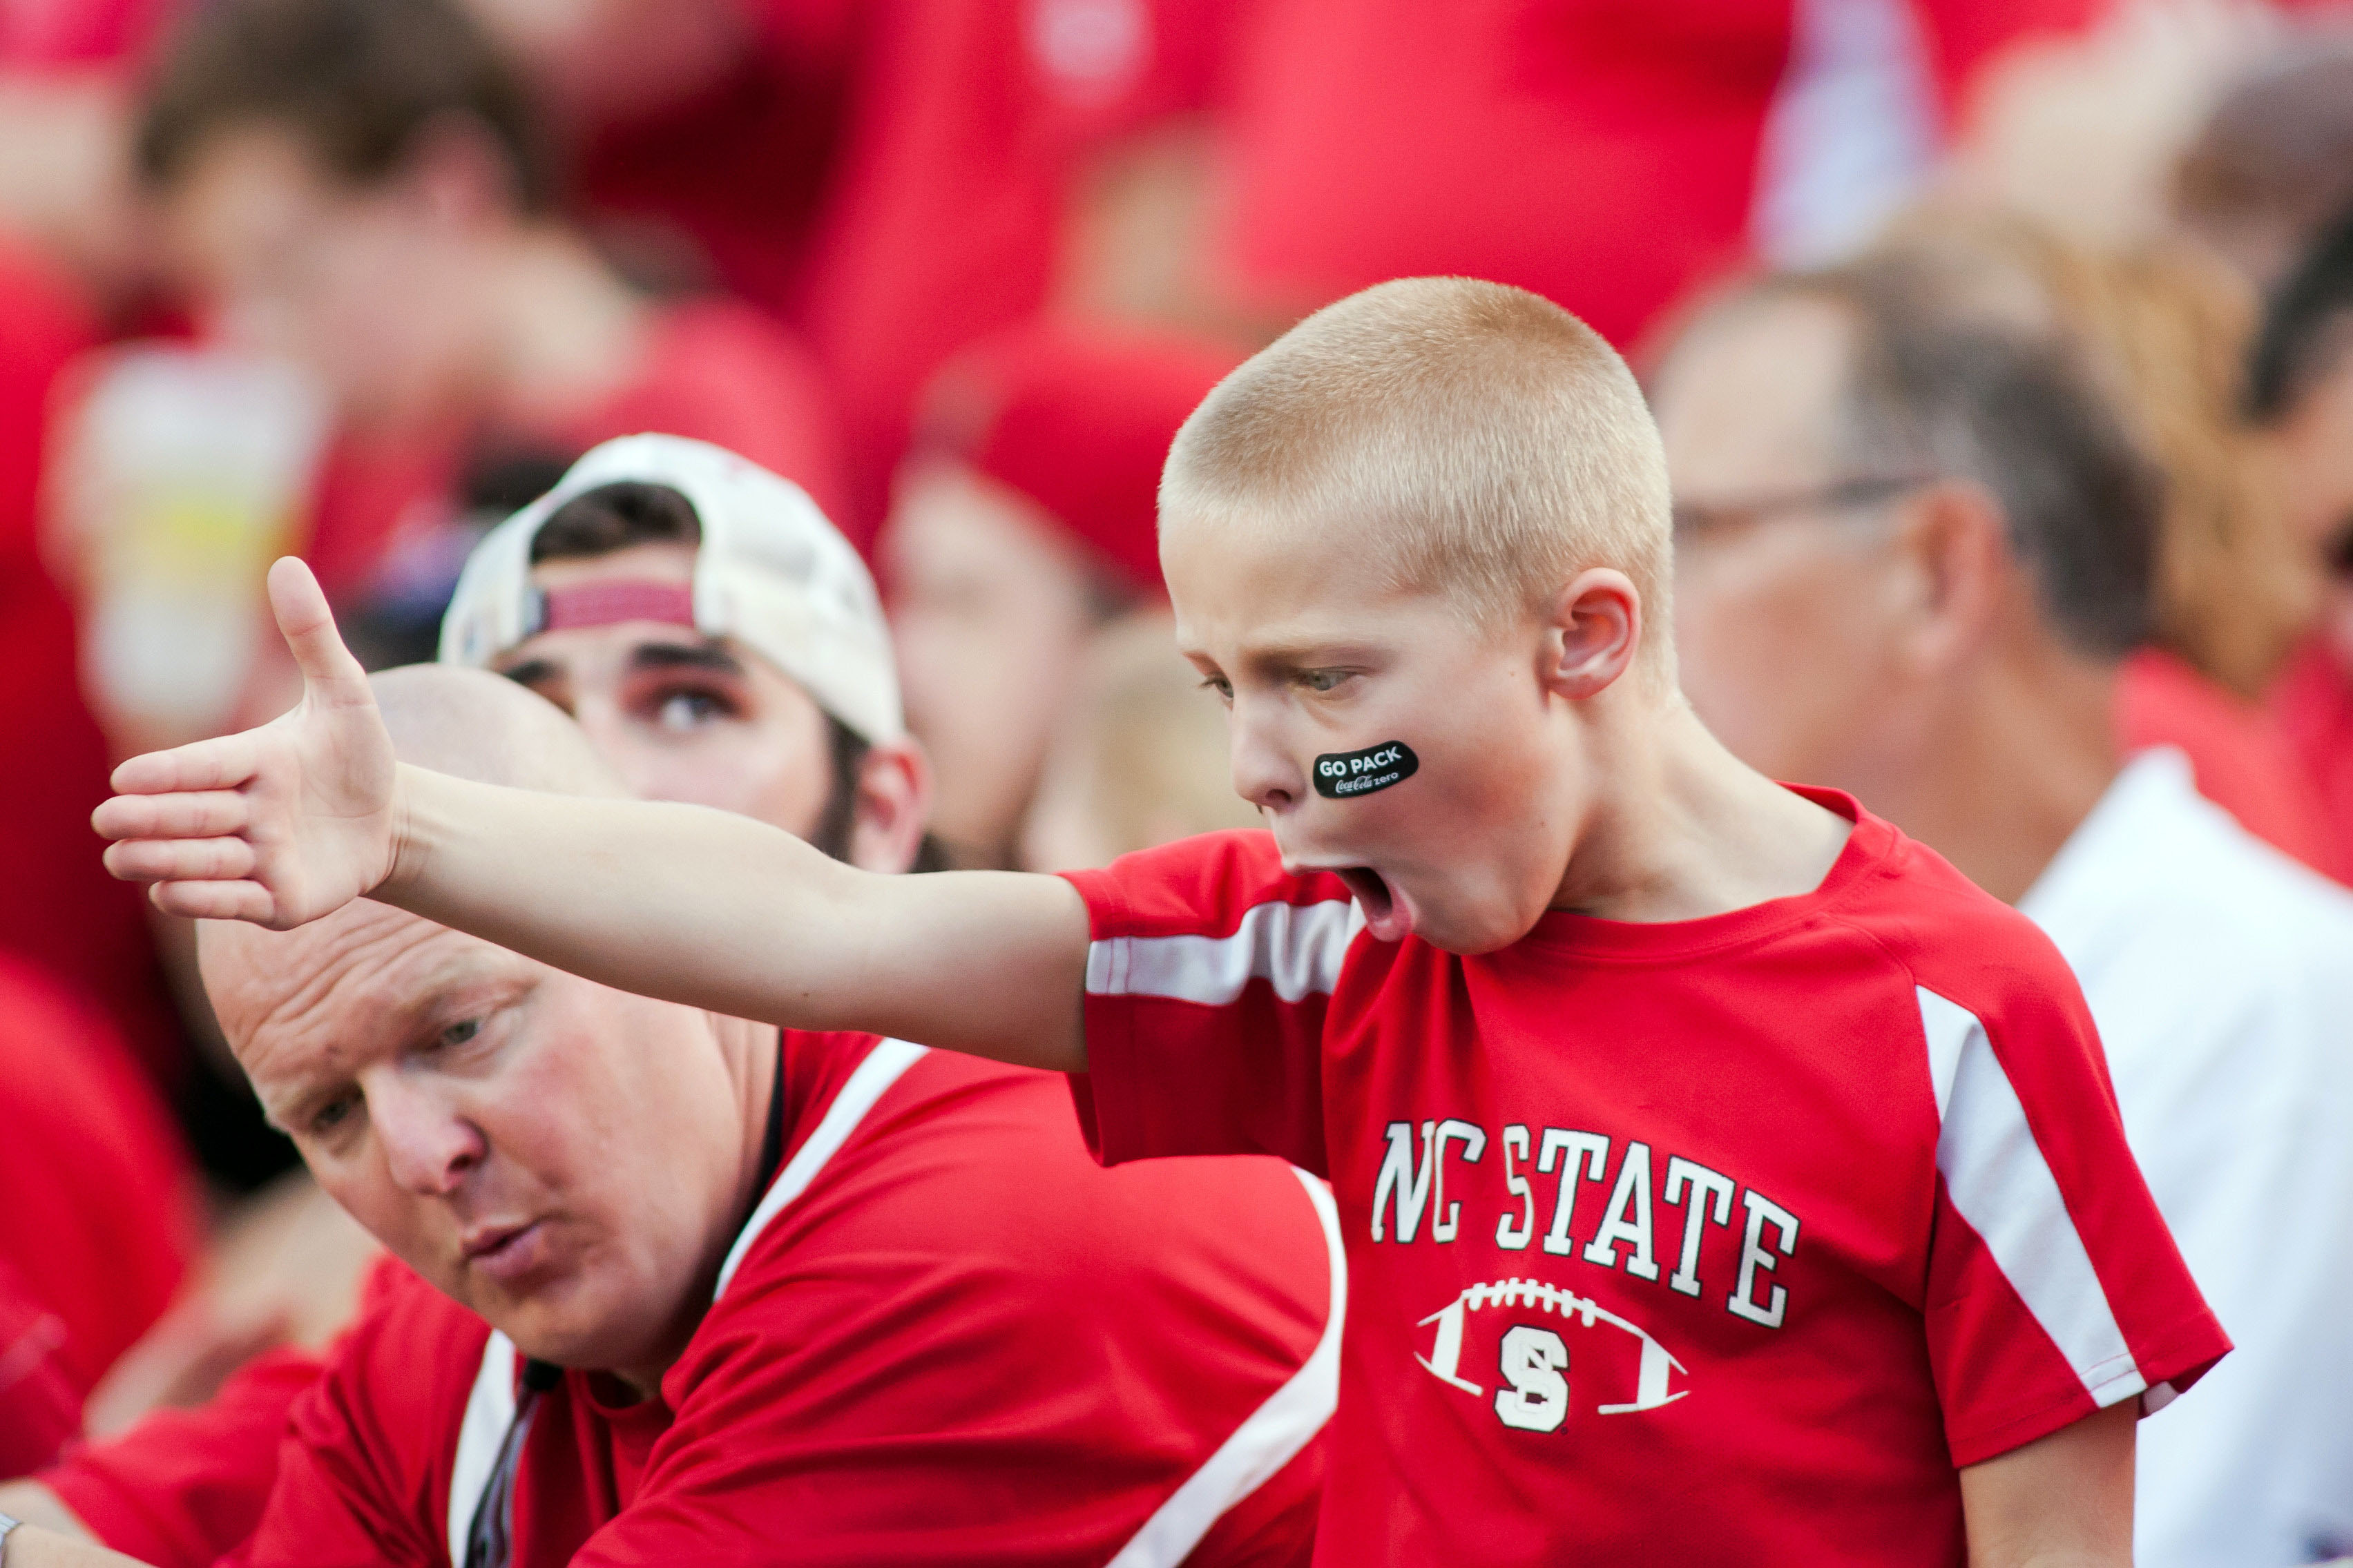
569, 1161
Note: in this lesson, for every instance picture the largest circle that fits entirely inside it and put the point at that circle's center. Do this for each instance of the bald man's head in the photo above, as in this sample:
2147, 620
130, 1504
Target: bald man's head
441, 1087
483, 727
466, 722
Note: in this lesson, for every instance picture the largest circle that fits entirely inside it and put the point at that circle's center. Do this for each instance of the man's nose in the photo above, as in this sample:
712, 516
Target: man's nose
1265, 774
427, 1146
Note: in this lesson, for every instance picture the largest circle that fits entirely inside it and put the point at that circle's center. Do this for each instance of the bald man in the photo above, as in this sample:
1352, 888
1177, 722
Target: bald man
688, 1291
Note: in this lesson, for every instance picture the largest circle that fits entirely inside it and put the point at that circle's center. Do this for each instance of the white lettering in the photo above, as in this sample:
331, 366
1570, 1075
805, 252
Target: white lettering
1704, 1185
1509, 1236
1627, 1217
1596, 1150
1538, 1399
1397, 1174
1753, 1257
1446, 1218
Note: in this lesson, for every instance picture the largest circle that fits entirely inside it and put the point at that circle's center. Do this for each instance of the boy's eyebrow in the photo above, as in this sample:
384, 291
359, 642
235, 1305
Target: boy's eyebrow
1300, 652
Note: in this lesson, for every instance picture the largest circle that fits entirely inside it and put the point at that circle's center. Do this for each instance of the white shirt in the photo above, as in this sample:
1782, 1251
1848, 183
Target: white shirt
2221, 975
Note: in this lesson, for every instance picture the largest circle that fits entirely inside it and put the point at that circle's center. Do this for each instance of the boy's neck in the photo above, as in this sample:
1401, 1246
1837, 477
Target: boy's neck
1684, 829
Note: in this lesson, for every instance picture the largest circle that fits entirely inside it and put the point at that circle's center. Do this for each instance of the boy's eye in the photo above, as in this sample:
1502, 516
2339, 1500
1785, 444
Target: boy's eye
458, 1033
1221, 686
1322, 680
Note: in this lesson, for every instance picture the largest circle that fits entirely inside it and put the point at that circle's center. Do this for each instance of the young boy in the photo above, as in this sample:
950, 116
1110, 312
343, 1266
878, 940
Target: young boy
1725, 1178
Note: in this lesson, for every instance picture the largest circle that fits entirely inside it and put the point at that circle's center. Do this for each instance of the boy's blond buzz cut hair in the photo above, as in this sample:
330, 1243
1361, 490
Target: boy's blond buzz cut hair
1495, 444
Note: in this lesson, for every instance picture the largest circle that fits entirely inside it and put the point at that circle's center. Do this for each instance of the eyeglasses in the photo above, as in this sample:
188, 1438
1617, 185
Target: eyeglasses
1697, 520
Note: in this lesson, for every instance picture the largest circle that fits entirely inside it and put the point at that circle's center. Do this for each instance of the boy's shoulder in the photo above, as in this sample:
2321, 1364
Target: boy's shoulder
1950, 937
1205, 885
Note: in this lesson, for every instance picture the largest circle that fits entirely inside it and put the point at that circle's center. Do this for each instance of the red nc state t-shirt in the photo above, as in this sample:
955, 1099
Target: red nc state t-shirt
949, 1337
1717, 1241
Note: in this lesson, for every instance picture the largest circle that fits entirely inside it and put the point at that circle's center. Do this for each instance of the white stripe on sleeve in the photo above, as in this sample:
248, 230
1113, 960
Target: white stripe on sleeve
1298, 947
1998, 1179
1271, 1436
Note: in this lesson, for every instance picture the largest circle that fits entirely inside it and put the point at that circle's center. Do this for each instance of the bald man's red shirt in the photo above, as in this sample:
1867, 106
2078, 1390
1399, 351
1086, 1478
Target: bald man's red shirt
956, 1341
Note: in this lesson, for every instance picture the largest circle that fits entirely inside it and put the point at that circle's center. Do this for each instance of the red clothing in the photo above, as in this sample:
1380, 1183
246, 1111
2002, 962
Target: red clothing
714, 369
99, 1221
1601, 155
66, 914
2240, 759
40, 1406
184, 1488
966, 123
729, 182
2314, 705
50, 34
951, 1340
1079, 419
1845, 1200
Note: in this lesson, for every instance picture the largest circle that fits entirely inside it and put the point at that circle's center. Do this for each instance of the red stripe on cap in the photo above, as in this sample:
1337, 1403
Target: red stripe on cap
609, 604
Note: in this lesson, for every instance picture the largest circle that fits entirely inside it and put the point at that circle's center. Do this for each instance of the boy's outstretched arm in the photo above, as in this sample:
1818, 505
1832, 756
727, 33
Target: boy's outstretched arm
2061, 1501
289, 822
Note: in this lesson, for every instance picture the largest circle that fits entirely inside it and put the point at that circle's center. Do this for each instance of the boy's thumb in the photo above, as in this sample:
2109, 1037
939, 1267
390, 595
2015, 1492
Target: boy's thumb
308, 628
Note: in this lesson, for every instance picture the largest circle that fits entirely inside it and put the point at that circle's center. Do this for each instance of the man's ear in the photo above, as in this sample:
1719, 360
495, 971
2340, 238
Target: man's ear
893, 809
1954, 571
1592, 634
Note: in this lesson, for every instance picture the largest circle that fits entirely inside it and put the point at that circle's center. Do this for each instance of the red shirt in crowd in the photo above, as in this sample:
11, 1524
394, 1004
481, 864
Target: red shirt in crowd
97, 1223
2238, 754
184, 1487
2314, 705
66, 914
714, 369
1603, 155
947, 1338
966, 127
1721, 1240
40, 1408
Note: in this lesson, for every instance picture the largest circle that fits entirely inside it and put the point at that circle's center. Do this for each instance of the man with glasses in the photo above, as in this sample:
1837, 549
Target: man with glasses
1913, 546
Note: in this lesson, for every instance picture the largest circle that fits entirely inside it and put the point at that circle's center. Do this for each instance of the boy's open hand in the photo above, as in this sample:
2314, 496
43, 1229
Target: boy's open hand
280, 825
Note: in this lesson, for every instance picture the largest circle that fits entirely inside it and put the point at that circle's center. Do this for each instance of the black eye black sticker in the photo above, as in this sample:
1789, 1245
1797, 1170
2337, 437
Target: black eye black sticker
1340, 775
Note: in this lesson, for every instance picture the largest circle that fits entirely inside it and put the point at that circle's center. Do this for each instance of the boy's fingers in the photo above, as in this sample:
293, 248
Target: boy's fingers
213, 900
211, 814
309, 627
180, 859
222, 762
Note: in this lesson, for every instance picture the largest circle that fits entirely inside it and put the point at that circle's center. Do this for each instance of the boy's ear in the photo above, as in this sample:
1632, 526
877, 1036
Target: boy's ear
1594, 630
1954, 571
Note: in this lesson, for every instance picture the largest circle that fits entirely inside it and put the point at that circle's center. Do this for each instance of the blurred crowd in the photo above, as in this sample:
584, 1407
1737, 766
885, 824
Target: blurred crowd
357, 280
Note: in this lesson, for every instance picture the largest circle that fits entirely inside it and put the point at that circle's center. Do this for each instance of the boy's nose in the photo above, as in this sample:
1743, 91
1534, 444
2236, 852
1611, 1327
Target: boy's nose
1264, 773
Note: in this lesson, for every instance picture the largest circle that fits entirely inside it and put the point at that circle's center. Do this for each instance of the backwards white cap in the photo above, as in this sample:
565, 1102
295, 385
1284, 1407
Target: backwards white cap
771, 573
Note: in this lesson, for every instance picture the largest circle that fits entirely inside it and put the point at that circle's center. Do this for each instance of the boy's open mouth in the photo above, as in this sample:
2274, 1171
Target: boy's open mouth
1373, 895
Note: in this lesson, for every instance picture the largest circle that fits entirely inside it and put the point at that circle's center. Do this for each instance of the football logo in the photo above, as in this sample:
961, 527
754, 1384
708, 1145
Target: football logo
1533, 1359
